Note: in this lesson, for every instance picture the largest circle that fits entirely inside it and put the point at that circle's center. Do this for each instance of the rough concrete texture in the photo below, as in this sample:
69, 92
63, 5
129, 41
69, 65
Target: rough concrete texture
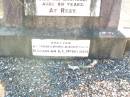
17, 41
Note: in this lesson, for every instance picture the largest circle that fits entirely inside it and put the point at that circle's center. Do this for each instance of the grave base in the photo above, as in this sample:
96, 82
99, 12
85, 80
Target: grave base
17, 41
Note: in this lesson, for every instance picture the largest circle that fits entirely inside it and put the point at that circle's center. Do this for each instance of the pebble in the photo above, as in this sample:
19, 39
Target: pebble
37, 77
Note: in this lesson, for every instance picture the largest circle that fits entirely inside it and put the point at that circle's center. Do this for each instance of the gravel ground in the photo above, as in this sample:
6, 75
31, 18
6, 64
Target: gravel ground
36, 77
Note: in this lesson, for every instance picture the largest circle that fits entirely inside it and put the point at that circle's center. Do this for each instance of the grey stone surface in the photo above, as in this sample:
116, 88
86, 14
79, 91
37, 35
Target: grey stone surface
15, 46
17, 41
128, 45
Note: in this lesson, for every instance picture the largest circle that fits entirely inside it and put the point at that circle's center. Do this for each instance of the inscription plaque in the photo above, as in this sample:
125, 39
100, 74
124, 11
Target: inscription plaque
59, 47
67, 7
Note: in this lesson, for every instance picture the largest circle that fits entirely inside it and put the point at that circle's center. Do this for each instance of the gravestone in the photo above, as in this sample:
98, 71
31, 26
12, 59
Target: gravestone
61, 28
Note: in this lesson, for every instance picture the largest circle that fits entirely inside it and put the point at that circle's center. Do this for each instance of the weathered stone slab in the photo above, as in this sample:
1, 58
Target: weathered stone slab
25, 25
17, 42
15, 15
15, 46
